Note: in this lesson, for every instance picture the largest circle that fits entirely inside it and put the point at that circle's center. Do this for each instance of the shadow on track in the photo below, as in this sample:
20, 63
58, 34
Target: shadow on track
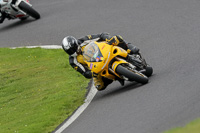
121, 89
16, 24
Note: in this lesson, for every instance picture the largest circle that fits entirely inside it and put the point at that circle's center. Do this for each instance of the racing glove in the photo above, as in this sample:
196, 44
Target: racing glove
88, 74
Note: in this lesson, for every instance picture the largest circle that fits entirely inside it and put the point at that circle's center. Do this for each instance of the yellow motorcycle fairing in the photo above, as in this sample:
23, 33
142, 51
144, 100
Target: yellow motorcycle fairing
98, 55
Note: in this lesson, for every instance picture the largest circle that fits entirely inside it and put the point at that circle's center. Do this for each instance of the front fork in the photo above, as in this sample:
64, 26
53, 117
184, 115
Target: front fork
120, 61
137, 60
15, 5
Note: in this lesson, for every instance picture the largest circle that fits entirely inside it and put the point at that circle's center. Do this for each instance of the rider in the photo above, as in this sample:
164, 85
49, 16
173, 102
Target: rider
3, 14
74, 47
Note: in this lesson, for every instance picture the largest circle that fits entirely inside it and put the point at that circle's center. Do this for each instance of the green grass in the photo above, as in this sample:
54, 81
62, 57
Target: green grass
193, 127
38, 89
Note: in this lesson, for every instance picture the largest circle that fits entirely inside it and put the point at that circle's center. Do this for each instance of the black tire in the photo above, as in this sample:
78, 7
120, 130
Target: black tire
140, 78
149, 71
29, 10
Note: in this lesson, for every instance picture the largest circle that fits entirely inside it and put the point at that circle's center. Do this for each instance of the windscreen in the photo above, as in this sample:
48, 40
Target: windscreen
91, 53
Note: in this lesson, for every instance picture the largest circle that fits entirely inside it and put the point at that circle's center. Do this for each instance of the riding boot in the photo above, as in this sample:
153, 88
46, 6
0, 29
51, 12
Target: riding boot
133, 49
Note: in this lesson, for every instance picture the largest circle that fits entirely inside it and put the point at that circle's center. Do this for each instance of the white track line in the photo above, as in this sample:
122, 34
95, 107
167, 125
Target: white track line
44, 46
80, 110
92, 92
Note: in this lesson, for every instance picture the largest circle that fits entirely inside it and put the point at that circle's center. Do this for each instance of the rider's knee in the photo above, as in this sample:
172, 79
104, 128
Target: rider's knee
100, 88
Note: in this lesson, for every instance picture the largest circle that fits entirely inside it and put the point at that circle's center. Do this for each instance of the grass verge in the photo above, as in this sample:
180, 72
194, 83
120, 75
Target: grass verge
38, 89
192, 127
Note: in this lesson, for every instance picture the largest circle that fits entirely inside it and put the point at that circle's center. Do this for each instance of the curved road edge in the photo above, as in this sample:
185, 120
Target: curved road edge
89, 96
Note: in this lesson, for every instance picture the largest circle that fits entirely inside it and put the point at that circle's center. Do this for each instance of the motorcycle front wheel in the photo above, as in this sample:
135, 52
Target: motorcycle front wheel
29, 10
132, 76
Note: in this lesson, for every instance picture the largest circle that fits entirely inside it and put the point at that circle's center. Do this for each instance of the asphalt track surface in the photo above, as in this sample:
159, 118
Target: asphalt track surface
168, 34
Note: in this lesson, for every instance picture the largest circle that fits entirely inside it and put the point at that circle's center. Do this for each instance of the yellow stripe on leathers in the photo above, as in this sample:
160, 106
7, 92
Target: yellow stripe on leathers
89, 36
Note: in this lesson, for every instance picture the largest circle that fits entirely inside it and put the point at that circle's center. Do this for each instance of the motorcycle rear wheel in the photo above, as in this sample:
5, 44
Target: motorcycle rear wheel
29, 10
149, 71
132, 76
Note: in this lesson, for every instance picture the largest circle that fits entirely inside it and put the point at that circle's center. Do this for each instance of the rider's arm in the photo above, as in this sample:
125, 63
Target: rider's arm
88, 37
79, 67
102, 37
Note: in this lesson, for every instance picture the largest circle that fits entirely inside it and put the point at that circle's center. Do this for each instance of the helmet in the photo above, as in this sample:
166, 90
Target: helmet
70, 45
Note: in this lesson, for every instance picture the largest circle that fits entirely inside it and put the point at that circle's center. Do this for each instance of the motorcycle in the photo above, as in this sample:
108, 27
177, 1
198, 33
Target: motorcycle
111, 62
20, 9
